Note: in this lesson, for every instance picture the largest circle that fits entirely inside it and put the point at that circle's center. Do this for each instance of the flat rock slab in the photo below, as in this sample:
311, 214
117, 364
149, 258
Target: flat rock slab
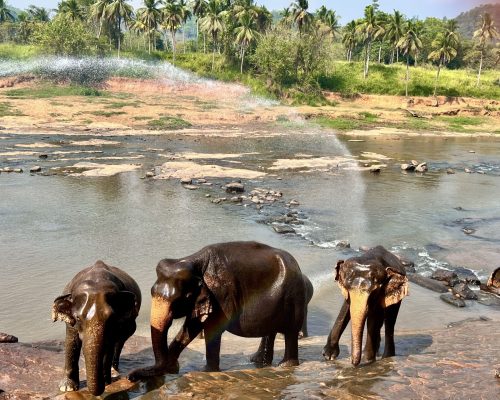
452, 299
428, 283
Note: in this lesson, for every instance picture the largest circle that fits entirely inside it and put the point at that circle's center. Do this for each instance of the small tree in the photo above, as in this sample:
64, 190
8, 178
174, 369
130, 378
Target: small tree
445, 50
245, 35
409, 45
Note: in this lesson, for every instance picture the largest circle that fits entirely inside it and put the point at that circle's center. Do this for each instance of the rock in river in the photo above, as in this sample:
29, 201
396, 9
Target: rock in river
453, 300
235, 187
35, 168
408, 167
427, 283
464, 291
283, 229
421, 167
6, 338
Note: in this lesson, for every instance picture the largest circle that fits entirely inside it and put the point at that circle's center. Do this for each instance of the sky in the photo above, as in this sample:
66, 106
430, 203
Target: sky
347, 10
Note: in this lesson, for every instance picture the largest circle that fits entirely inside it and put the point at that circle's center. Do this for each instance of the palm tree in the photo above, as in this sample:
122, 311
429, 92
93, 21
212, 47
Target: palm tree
39, 14
301, 16
148, 17
445, 49
487, 32
331, 21
409, 44
368, 28
199, 10
117, 12
322, 13
5, 12
264, 19
394, 31
98, 12
72, 9
286, 17
172, 20
349, 39
213, 23
245, 35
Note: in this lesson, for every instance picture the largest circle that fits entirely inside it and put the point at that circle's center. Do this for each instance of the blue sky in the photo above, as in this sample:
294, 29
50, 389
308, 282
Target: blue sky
348, 10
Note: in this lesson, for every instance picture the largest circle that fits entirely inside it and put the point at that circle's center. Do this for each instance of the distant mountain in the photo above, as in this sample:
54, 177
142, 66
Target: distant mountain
470, 21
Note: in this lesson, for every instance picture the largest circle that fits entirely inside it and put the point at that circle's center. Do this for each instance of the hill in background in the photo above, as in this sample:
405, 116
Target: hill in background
470, 21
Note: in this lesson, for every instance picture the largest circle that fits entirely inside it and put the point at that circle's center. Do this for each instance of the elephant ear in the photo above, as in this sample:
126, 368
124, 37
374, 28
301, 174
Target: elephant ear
62, 309
203, 305
223, 285
337, 278
396, 288
124, 304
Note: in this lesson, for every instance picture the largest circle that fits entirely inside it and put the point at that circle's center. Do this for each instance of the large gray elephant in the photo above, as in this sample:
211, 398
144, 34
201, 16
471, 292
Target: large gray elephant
99, 306
247, 288
373, 286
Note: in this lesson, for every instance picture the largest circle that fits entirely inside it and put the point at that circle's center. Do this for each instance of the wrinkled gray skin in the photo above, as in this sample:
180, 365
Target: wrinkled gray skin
265, 353
493, 284
99, 306
246, 288
373, 286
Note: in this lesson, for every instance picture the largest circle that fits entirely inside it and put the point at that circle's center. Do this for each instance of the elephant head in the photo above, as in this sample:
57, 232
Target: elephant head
376, 279
95, 309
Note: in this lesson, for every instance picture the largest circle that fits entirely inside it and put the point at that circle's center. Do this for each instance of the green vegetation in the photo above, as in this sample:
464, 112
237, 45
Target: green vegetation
7, 110
48, 91
168, 123
107, 114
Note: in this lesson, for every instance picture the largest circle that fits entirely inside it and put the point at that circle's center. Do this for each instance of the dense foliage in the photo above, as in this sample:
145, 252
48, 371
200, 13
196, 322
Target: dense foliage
294, 51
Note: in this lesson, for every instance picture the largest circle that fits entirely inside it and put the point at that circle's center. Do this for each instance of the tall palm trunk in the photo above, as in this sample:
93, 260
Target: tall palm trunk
407, 73
172, 33
397, 54
367, 59
184, 39
359, 310
480, 67
119, 35
242, 58
380, 53
214, 48
437, 77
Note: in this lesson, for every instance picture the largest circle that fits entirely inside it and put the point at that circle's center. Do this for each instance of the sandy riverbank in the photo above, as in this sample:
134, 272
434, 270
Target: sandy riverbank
138, 107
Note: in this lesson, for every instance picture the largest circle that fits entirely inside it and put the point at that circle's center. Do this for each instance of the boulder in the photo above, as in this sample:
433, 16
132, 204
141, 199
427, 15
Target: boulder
6, 338
467, 276
35, 168
235, 187
408, 167
375, 169
414, 162
282, 229
468, 231
427, 283
294, 202
444, 275
190, 187
150, 174
343, 244
453, 300
421, 167
43, 156
463, 291
450, 171
186, 181
18, 170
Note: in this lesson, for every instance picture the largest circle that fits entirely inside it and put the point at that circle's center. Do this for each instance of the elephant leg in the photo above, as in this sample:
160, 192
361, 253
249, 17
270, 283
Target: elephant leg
72, 349
265, 353
332, 349
374, 324
291, 358
213, 327
107, 361
127, 331
391, 314
303, 331
191, 328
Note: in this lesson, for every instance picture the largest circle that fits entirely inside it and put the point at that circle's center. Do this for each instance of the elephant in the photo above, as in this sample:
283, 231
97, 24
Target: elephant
493, 284
99, 305
247, 288
265, 353
373, 286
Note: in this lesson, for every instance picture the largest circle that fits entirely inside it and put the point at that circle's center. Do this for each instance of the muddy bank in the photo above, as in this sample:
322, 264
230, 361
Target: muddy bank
455, 362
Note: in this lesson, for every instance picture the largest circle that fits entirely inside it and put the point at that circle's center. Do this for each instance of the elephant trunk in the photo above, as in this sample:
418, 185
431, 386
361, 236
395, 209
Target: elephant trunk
93, 351
359, 311
161, 320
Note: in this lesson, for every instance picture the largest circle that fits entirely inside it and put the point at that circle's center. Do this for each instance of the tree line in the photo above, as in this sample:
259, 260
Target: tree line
291, 46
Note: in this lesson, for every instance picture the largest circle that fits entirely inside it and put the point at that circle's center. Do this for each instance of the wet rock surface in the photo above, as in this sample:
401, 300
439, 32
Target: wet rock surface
435, 364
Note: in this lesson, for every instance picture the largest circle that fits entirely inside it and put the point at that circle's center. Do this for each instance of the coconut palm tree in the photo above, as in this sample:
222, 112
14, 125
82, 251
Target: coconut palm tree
39, 14
98, 12
409, 44
72, 9
148, 18
445, 49
394, 31
213, 23
6, 13
331, 21
368, 28
264, 19
245, 33
301, 16
487, 32
199, 10
172, 20
117, 12
349, 39
186, 14
286, 17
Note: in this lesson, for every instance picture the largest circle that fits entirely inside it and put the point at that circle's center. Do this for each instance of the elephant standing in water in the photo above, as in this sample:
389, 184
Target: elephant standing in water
99, 306
246, 288
373, 286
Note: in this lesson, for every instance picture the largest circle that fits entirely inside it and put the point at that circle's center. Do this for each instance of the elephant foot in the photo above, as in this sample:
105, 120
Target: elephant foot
211, 368
155, 370
389, 354
303, 334
288, 363
68, 385
260, 361
114, 372
331, 352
